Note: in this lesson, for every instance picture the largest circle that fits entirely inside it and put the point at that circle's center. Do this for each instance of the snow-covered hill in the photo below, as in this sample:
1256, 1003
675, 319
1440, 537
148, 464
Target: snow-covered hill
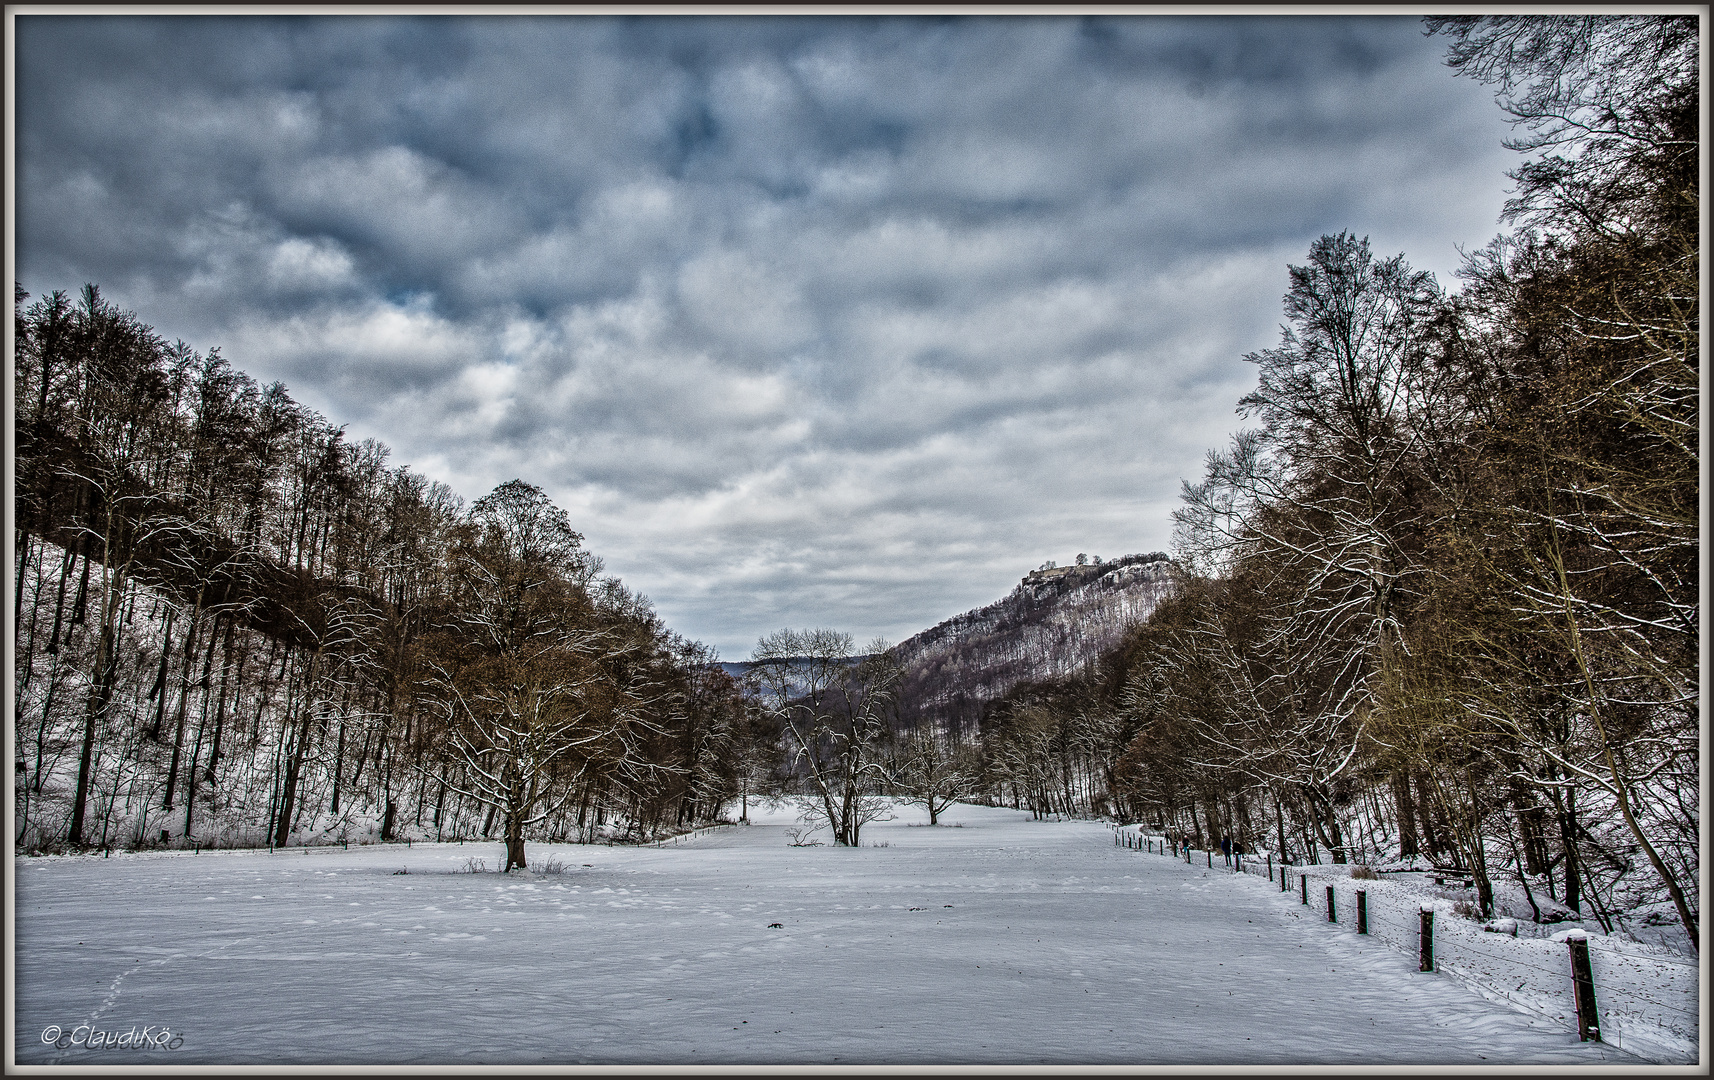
1054, 622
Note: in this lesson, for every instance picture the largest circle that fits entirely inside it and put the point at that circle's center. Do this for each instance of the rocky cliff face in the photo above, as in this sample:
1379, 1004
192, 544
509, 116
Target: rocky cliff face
1055, 621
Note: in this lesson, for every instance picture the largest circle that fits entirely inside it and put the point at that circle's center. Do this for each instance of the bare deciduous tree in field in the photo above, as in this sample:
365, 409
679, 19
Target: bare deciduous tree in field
934, 772
515, 671
835, 707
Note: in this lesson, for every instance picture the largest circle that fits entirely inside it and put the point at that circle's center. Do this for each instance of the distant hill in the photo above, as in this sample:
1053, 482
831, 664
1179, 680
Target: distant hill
1056, 620
740, 668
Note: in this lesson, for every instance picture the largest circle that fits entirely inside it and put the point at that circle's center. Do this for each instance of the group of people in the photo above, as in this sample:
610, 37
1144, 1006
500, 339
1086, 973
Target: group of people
1181, 843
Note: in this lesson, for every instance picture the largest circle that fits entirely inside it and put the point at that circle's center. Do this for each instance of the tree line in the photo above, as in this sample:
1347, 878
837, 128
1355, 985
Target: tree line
1441, 600
235, 626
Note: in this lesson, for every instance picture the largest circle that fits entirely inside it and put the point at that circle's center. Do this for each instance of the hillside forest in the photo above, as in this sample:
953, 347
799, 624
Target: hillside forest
1439, 602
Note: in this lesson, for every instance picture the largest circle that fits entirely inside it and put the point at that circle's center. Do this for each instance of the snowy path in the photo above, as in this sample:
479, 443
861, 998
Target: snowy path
1005, 940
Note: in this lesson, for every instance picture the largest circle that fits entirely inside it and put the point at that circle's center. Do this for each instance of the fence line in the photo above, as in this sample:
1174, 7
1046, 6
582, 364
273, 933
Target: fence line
1648, 1005
692, 834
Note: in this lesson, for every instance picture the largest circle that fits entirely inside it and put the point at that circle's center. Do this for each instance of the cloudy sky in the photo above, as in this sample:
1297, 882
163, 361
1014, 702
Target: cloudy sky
806, 321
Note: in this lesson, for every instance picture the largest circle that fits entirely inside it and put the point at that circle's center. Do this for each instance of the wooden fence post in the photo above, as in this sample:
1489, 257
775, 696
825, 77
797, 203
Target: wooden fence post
1303, 884
1270, 866
1583, 982
1425, 947
1330, 917
1210, 854
1282, 877
1362, 911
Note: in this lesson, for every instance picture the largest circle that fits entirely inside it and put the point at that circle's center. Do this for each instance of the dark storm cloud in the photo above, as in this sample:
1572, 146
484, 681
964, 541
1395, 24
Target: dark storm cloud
805, 320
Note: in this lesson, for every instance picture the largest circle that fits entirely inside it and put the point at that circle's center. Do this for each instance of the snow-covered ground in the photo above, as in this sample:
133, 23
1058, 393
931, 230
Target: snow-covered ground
992, 938
1646, 995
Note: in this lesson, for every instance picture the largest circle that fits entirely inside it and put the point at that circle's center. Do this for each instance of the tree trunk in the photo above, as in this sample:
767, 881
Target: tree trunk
1325, 820
97, 706
517, 806
23, 564
1279, 821
100, 698
1336, 838
1479, 870
78, 604
1529, 818
59, 603
1426, 807
439, 805
296, 756
514, 844
158, 692
1407, 814
338, 767
1567, 815
191, 634
220, 710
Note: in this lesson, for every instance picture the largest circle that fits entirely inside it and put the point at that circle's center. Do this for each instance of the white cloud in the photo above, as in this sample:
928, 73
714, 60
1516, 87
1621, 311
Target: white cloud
805, 321
743, 303
309, 264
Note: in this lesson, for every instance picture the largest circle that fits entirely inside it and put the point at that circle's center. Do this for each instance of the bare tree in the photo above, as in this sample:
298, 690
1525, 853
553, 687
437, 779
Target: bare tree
513, 720
515, 670
935, 773
836, 707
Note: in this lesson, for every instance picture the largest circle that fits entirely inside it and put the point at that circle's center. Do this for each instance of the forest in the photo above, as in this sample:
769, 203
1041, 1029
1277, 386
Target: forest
1441, 601
235, 627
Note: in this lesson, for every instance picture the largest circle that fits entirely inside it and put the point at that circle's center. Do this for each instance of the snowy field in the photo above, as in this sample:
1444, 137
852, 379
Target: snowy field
989, 939
1646, 995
